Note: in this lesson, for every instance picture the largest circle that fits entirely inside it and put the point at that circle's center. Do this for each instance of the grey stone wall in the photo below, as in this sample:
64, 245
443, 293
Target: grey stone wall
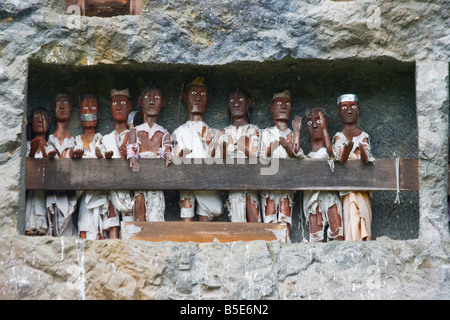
394, 54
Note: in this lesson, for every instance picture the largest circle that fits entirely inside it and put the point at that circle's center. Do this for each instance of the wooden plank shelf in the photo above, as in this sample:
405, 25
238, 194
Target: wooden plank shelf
203, 231
291, 174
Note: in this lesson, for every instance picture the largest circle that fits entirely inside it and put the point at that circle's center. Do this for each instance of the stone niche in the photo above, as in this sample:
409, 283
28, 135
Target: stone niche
104, 8
386, 89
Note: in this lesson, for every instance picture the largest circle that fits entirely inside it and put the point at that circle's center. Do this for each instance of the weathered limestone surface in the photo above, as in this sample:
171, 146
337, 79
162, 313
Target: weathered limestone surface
216, 33
54, 268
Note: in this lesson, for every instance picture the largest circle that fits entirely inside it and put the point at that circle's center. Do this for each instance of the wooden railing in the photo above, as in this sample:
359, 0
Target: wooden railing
284, 174
95, 174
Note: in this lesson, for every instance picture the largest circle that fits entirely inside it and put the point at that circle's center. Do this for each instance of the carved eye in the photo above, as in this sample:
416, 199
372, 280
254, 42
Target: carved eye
145, 97
114, 103
241, 99
123, 102
279, 103
44, 116
203, 93
94, 108
66, 102
193, 93
309, 123
319, 121
344, 108
86, 108
157, 97
232, 100
288, 104
354, 107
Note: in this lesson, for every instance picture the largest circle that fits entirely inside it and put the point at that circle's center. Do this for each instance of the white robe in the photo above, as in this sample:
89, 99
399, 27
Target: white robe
35, 210
93, 210
122, 200
61, 205
237, 199
268, 136
322, 199
190, 135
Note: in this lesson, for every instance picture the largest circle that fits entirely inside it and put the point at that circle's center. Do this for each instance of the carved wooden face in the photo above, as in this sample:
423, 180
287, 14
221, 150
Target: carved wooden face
152, 102
40, 122
238, 104
196, 98
89, 106
281, 109
314, 126
120, 107
349, 112
63, 109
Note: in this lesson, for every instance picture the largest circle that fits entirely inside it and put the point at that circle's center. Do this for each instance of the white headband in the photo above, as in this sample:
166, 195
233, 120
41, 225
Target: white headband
347, 97
88, 116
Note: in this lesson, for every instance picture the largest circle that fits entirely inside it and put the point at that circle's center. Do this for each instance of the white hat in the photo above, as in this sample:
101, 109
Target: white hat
284, 94
347, 97
124, 92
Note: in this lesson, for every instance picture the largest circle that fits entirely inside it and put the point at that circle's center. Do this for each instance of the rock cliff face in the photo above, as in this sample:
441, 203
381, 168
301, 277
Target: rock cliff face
66, 268
394, 54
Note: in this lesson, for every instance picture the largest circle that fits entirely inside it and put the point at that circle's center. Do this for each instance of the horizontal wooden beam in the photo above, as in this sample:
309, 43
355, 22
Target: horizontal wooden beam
284, 174
203, 231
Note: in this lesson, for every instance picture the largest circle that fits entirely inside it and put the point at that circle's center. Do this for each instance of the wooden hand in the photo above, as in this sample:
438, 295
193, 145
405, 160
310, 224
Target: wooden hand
109, 154
363, 153
134, 165
184, 152
287, 146
296, 126
326, 136
98, 153
123, 151
168, 159
243, 144
76, 153
346, 151
52, 154
34, 145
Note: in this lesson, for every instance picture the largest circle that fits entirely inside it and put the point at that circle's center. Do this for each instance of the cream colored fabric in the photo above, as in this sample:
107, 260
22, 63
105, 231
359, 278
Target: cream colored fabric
357, 216
35, 210
357, 209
